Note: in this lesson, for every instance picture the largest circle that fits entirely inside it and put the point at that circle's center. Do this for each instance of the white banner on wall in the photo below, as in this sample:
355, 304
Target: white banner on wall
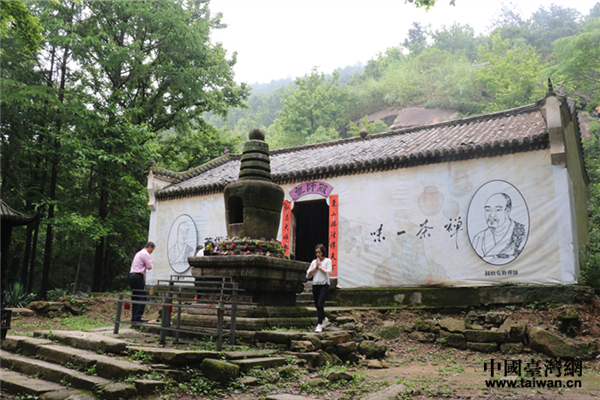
469, 223
486, 221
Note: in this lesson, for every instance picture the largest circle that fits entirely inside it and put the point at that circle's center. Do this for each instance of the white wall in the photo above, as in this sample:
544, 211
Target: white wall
402, 200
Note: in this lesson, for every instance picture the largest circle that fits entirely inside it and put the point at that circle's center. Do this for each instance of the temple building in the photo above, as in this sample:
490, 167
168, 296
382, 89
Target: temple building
492, 199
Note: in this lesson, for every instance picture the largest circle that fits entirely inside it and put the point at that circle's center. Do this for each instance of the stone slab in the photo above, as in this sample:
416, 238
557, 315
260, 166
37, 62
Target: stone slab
16, 383
86, 340
28, 346
240, 355
278, 337
50, 372
146, 387
263, 362
175, 356
22, 312
107, 367
118, 391
287, 397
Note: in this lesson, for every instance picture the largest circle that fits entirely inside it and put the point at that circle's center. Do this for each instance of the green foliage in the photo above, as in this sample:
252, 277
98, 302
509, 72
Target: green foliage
372, 127
579, 59
426, 4
16, 296
322, 135
182, 151
81, 323
141, 355
55, 294
590, 273
316, 102
511, 74
16, 17
80, 117
91, 371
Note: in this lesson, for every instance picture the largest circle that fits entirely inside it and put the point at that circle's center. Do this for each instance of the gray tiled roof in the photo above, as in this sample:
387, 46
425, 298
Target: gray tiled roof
519, 129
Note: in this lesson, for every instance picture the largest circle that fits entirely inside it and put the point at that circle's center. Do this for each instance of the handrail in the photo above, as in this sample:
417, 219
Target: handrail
174, 297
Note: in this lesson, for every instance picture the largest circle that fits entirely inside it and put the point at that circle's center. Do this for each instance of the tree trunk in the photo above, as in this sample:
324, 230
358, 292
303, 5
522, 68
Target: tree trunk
100, 245
33, 255
54, 177
49, 229
27, 254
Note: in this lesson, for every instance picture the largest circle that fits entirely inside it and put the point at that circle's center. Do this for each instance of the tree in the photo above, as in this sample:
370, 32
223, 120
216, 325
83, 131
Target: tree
110, 74
427, 4
548, 25
579, 60
417, 39
186, 150
372, 128
316, 102
512, 74
15, 16
457, 39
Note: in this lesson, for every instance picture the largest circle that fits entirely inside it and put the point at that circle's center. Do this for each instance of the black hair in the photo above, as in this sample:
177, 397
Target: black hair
322, 248
150, 244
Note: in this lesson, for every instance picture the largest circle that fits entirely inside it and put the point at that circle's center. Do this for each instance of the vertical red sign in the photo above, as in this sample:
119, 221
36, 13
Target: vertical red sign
286, 225
333, 233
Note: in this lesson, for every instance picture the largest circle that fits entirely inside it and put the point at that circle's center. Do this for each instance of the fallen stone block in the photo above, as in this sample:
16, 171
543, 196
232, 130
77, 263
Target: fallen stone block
301, 346
146, 387
512, 348
456, 340
516, 330
483, 347
220, 371
453, 325
372, 349
555, 346
262, 362
484, 336
334, 376
422, 336
117, 390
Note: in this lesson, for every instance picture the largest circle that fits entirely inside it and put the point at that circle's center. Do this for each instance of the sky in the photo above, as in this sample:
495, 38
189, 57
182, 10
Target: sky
277, 39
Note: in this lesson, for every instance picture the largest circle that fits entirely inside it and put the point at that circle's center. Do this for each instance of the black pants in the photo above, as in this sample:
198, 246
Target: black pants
138, 293
320, 295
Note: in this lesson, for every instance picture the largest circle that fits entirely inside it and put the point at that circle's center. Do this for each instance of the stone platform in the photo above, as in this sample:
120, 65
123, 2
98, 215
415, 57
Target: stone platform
270, 281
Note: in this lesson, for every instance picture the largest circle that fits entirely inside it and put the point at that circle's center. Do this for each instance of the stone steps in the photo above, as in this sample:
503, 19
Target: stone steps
247, 324
20, 384
62, 375
40, 367
44, 368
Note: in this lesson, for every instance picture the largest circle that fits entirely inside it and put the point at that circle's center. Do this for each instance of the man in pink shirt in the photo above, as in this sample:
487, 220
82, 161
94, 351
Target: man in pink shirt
141, 263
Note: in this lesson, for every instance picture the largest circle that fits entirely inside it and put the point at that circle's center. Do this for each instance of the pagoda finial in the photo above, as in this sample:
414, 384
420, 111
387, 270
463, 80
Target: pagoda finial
550, 89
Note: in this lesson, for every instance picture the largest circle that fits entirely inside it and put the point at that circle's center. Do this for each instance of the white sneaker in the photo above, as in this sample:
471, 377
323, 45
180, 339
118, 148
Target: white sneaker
319, 328
325, 322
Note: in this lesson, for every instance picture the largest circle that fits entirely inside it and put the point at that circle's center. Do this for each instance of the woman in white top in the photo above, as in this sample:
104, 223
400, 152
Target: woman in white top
320, 268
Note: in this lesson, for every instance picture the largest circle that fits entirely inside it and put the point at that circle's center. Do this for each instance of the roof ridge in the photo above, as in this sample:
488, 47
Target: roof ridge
190, 173
515, 111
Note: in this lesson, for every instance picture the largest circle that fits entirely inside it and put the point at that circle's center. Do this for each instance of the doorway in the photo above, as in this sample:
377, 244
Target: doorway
312, 228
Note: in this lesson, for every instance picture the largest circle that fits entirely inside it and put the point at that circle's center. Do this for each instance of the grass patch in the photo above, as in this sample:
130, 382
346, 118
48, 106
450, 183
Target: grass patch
81, 323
